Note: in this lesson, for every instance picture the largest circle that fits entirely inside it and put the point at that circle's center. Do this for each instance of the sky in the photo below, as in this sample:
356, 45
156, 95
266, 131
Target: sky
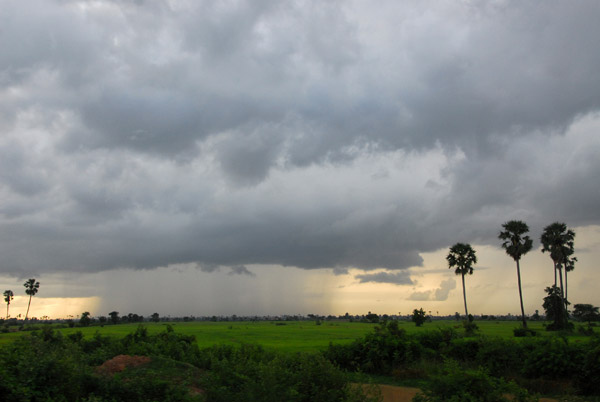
293, 157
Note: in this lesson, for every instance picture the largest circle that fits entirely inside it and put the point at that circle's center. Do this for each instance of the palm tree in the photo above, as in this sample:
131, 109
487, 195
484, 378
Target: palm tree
560, 242
462, 257
8, 296
516, 245
31, 288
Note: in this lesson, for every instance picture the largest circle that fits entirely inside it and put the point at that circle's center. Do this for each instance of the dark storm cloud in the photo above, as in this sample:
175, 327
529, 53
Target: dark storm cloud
318, 135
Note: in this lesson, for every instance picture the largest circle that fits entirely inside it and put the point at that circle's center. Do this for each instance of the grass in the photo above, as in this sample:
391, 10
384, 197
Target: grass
288, 336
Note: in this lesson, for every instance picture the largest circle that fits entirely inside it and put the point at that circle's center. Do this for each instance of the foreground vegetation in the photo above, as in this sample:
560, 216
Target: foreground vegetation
47, 365
64, 365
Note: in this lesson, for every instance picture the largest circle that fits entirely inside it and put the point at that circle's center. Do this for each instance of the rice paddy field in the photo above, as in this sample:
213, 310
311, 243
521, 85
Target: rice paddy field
286, 336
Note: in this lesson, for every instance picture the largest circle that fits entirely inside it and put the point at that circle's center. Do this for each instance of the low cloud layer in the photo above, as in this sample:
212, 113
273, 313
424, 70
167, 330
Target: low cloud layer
398, 278
332, 135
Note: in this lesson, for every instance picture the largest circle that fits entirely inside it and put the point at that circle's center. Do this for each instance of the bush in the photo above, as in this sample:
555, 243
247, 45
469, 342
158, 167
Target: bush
499, 356
458, 385
587, 378
470, 327
250, 373
551, 358
521, 332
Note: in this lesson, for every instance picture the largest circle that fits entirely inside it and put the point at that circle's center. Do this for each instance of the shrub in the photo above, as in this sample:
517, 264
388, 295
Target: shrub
250, 373
458, 385
499, 356
521, 332
419, 317
551, 358
470, 327
587, 377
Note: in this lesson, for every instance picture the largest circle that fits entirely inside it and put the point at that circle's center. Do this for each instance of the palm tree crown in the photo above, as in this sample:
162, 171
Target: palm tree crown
8, 296
462, 257
31, 287
515, 244
559, 241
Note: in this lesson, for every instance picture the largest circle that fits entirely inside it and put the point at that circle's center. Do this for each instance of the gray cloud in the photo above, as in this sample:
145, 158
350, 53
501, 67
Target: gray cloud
439, 294
240, 270
146, 134
398, 278
420, 296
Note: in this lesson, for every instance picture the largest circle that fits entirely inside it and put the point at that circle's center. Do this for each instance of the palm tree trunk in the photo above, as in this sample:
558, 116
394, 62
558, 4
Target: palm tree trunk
7, 304
26, 314
521, 295
555, 273
566, 285
562, 293
465, 297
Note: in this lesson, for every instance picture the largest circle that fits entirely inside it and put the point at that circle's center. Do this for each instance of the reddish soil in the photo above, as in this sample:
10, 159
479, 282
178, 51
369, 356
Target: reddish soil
120, 363
391, 393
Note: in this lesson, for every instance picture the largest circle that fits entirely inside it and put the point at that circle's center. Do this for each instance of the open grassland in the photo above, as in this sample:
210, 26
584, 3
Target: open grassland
288, 336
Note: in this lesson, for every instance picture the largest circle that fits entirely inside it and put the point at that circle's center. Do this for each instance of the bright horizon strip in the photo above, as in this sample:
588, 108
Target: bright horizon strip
51, 307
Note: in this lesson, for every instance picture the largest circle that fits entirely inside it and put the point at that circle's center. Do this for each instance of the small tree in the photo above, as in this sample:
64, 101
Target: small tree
555, 309
31, 288
419, 317
114, 317
586, 312
155, 317
8, 296
85, 319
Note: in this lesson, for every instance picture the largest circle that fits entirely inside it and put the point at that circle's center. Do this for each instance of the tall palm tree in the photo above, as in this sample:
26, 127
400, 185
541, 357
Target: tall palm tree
462, 257
31, 288
516, 245
560, 243
8, 296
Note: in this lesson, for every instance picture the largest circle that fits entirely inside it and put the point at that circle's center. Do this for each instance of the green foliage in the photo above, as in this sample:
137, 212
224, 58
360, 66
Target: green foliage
42, 366
586, 312
587, 378
521, 332
551, 358
85, 319
250, 373
419, 317
456, 384
470, 327
160, 380
47, 366
554, 305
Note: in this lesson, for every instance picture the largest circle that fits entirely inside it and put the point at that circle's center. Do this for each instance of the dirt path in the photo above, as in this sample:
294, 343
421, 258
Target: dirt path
392, 393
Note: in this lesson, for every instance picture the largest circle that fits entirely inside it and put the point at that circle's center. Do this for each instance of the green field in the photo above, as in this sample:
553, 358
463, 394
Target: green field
289, 336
